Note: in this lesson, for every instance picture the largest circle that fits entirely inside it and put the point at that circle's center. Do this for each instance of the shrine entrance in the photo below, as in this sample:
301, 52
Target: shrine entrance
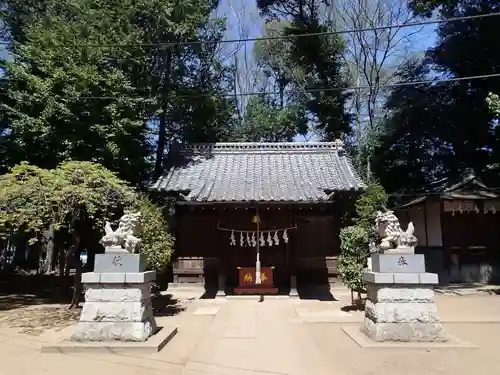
258, 261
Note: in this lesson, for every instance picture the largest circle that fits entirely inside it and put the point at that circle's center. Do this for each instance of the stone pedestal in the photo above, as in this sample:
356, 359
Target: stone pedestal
117, 300
400, 302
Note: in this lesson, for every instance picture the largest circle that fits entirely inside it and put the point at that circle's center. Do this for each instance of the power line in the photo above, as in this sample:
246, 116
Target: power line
351, 88
280, 37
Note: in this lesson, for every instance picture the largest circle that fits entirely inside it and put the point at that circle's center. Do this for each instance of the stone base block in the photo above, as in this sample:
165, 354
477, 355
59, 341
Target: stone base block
398, 263
424, 278
403, 332
120, 262
114, 331
389, 312
401, 250
118, 277
116, 311
400, 293
364, 341
117, 293
154, 344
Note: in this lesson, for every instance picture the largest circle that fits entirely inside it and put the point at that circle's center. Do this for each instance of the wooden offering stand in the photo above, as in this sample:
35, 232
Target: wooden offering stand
246, 277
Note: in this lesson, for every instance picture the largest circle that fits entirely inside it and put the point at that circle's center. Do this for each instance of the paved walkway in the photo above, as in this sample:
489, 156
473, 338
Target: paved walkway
273, 337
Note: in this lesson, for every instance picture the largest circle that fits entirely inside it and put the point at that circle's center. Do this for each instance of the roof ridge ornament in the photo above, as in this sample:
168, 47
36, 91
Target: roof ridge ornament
275, 146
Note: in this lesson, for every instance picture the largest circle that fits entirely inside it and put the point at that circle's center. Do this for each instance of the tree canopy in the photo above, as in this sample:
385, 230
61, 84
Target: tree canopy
92, 81
441, 129
73, 201
314, 63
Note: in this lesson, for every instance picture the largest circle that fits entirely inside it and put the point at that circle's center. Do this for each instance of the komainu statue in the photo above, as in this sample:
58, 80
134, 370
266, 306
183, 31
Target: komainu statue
392, 236
125, 236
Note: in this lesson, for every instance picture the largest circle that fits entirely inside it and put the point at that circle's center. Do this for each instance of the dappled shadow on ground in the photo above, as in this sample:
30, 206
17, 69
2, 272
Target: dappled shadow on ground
34, 320
469, 288
18, 291
35, 303
453, 286
166, 305
17, 301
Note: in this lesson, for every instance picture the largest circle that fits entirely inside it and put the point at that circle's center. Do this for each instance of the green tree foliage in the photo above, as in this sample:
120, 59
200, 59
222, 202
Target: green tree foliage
156, 241
440, 129
353, 254
85, 83
74, 200
49, 121
32, 197
493, 101
265, 121
355, 239
279, 114
318, 60
373, 199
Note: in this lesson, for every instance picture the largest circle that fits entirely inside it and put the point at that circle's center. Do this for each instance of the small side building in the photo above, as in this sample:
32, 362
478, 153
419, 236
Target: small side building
457, 225
283, 201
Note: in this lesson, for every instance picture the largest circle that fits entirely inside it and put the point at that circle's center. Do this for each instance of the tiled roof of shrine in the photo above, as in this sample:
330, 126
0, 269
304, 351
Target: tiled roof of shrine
265, 172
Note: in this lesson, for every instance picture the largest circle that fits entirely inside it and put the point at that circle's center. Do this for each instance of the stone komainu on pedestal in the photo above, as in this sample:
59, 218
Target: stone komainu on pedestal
118, 293
400, 302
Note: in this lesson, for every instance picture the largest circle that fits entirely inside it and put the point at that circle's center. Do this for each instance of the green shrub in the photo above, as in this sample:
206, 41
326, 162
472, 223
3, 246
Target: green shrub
355, 239
354, 252
156, 241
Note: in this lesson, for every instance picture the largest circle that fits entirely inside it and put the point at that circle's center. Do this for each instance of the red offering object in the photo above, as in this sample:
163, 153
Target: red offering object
247, 281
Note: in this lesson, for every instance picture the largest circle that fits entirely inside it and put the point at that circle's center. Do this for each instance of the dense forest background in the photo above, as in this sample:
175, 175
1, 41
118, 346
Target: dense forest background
116, 82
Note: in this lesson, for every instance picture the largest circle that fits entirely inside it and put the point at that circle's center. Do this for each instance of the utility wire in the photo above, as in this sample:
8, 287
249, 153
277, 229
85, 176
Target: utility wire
351, 88
281, 37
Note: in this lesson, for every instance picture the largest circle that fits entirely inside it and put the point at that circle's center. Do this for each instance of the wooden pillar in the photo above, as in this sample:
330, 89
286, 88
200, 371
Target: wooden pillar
425, 224
291, 270
221, 292
293, 287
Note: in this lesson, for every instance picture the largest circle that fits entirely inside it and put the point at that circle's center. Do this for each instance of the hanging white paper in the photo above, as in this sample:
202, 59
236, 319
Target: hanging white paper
242, 240
254, 241
249, 241
232, 239
285, 236
276, 238
262, 240
269, 239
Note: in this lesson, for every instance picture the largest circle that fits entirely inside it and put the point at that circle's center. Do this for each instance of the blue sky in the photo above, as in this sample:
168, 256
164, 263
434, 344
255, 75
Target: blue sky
249, 14
244, 21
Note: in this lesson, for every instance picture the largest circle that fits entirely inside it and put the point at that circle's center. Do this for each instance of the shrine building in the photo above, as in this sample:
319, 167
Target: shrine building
258, 217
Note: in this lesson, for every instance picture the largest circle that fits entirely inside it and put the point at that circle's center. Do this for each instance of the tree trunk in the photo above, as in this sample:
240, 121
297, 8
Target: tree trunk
77, 289
72, 258
162, 130
368, 166
49, 243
